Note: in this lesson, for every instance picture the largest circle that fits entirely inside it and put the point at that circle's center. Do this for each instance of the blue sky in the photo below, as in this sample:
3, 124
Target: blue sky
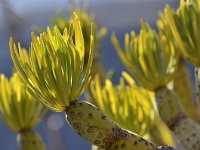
30, 5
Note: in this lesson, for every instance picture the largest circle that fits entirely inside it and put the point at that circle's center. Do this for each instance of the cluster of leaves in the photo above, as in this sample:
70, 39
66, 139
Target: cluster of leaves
18, 108
54, 68
129, 105
57, 68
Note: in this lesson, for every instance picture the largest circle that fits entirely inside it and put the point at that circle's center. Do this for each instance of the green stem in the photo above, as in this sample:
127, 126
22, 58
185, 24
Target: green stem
30, 140
165, 148
172, 113
159, 148
183, 88
90, 123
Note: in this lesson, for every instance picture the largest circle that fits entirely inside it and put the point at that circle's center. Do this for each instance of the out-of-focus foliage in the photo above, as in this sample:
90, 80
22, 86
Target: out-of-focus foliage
58, 66
184, 26
128, 105
149, 57
86, 19
18, 109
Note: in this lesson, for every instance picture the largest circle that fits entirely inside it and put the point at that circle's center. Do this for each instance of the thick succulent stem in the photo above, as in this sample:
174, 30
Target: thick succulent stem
89, 122
132, 142
169, 106
173, 114
188, 132
165, 148
183, 88
159, 148
30, 140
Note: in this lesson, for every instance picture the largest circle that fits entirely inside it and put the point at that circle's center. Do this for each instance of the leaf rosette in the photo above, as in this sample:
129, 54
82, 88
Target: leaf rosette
54, 68
130, 106
85, 19
18, 109
148, 56
184, 26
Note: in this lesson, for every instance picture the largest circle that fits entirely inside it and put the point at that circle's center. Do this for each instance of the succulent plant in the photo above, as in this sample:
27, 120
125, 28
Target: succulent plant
20, 112
128, 105
152, 60
58, 68
183, 87
53, 71
159, 148
54, 68
181, 82
131, 107
184, 25
182, 126
165, 148
85, 19
30, 140
142, 54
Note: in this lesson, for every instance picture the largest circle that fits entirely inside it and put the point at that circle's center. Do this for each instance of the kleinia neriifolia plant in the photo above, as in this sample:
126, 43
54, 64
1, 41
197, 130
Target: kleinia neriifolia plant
129, 105
181, 83
53, 71
184, 25
152, 60
85, 19
20, 112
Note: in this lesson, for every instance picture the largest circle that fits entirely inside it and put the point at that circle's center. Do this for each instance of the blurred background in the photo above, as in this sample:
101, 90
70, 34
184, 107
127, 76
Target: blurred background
18, 18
